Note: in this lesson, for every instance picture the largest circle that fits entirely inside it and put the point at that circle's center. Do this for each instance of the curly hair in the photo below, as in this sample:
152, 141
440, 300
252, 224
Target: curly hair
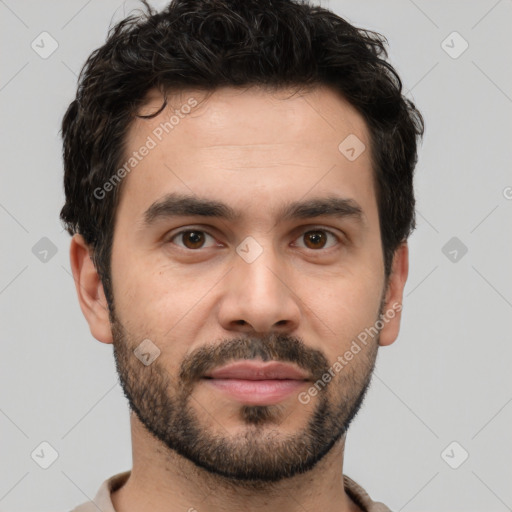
207, 44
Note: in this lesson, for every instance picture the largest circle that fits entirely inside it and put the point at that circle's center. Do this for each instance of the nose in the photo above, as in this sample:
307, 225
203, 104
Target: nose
258, 297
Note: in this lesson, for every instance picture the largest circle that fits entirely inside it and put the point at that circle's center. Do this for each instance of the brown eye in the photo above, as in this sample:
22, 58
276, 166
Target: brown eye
191, 239
315, 239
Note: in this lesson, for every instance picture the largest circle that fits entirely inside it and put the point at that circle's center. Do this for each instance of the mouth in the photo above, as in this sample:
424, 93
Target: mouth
257, 383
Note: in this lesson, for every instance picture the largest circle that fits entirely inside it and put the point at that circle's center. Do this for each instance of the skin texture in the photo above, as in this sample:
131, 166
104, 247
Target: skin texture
317, 284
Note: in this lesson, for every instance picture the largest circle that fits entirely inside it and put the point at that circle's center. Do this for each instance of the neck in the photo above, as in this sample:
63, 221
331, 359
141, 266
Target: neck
161, 480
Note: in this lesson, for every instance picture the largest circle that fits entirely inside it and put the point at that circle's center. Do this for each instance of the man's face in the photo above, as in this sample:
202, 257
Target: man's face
273, 281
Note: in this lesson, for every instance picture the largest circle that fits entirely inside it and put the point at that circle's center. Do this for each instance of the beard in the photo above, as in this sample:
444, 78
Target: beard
260, 453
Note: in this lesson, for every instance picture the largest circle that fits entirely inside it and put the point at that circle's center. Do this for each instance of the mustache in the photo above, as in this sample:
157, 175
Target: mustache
272, 347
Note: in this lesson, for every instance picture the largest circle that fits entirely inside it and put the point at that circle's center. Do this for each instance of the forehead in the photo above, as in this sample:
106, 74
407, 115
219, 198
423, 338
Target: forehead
234, 142
239, 114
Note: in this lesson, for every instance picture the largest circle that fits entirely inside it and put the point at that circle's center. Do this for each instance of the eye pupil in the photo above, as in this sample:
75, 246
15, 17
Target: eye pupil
195, 238
317, 238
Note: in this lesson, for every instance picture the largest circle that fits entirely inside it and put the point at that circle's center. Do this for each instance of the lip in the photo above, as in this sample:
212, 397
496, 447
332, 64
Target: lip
257, 383
254, 370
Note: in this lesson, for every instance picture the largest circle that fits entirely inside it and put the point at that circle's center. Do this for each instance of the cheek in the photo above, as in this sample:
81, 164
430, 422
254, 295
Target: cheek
151, 305
342, 312
155, 298
154, 301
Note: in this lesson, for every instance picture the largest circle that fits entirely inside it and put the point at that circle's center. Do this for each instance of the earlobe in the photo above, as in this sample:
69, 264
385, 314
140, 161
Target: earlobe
392, 310
89, 289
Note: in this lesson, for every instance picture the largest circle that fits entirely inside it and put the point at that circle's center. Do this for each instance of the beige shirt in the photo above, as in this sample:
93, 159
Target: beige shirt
103, 502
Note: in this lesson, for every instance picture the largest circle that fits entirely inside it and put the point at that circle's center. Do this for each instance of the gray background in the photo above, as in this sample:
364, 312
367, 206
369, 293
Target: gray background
446, 379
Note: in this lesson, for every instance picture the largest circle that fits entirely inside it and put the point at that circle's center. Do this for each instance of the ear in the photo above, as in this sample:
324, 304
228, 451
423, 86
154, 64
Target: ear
392, 311
89, 289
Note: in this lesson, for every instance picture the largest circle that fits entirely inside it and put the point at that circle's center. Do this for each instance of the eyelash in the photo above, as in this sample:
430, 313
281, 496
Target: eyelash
310, 229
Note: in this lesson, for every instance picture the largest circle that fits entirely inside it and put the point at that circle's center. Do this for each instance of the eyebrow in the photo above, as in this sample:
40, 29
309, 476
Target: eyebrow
182, 205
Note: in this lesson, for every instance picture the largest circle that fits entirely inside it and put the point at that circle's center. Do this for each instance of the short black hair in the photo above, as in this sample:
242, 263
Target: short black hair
207, 44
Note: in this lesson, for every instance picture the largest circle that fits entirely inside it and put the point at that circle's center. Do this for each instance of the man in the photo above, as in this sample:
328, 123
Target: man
238, 181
